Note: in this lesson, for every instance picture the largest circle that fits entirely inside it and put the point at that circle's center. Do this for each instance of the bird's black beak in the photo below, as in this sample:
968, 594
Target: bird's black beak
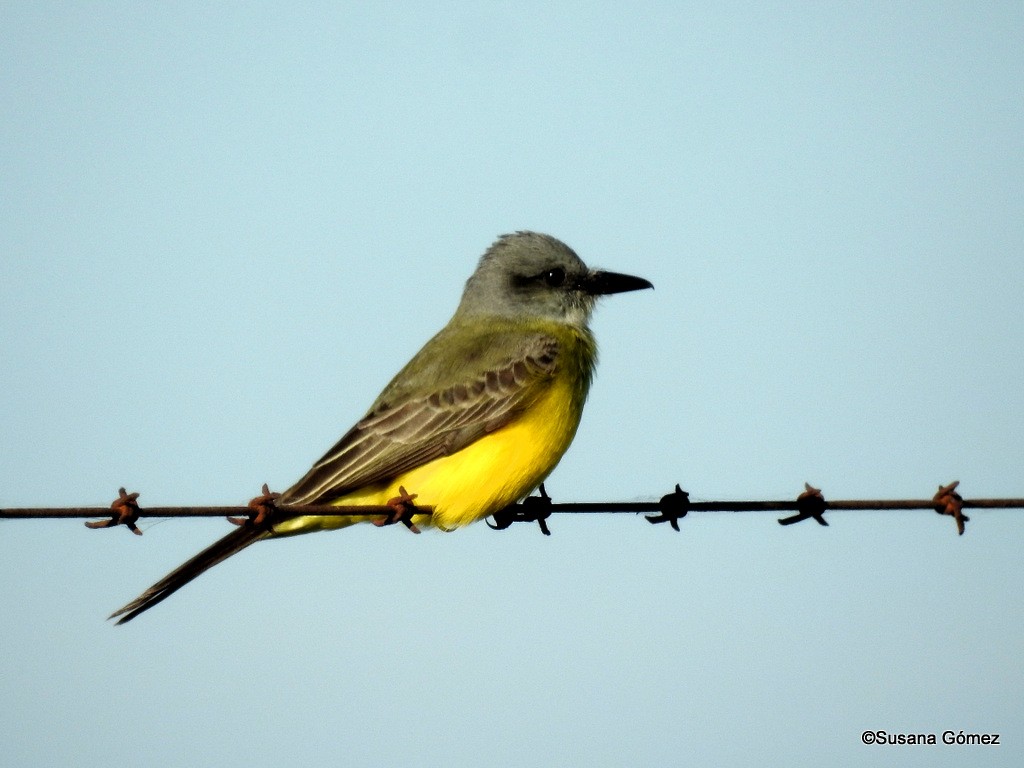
599, 283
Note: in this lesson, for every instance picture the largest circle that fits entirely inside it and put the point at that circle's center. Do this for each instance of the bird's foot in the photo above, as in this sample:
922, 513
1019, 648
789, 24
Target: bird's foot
403, 510
533, 509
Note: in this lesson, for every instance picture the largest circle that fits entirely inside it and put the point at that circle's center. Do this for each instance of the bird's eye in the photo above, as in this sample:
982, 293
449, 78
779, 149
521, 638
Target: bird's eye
554, 277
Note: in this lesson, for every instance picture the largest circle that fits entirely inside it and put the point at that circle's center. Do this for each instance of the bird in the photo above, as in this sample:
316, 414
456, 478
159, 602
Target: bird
472, 424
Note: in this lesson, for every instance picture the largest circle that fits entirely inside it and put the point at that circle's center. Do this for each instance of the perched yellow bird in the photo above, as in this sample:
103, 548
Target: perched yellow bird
474, 422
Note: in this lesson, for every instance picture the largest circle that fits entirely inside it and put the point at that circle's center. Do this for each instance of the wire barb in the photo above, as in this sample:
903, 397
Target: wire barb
672, 507
403, 509
260, 509
125, 510
949, 502
811, 505
264, 509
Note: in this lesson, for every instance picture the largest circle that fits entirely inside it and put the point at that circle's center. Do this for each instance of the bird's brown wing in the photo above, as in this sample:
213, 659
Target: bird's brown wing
394, 438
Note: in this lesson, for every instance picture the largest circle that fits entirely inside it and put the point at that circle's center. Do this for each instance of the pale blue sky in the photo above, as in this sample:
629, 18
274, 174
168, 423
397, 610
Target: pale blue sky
224, 227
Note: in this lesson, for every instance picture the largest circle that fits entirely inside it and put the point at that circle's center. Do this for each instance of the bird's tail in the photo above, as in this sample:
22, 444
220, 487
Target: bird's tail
217, 552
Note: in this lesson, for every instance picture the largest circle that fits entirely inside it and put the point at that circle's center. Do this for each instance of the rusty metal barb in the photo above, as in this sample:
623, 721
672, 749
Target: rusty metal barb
672, 508
811, 505
949, 502
260, 509
126, 512
402, 510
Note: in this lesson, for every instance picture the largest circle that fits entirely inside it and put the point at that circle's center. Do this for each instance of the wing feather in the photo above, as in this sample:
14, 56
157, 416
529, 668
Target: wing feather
410, 431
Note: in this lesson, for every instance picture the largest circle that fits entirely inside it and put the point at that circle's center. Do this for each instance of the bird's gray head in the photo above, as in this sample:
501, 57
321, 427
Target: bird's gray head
533, 275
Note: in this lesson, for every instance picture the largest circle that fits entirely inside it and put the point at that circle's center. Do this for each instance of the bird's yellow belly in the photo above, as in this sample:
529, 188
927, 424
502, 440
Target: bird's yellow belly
491, 473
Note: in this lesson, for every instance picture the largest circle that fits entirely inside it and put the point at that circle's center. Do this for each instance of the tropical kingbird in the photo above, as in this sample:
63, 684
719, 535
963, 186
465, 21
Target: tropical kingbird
473, 423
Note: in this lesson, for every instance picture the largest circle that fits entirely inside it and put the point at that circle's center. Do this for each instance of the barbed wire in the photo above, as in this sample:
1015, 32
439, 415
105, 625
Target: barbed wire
671, 508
